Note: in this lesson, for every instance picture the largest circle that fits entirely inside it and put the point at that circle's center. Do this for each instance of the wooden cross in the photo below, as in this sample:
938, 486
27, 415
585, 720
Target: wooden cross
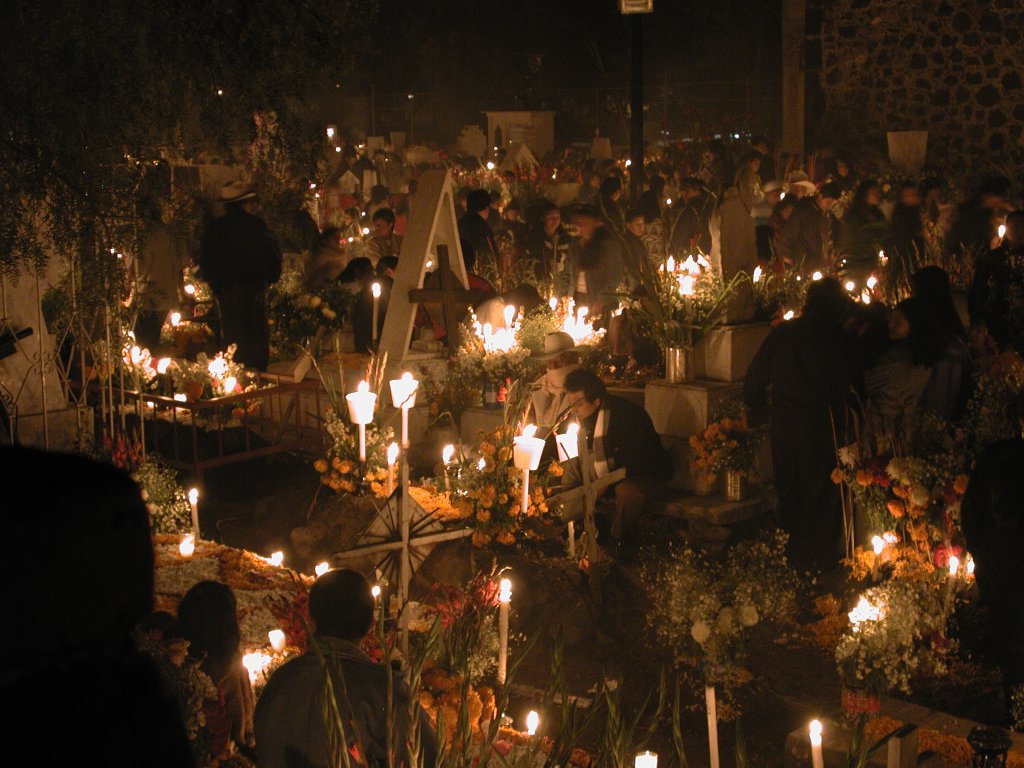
453, 298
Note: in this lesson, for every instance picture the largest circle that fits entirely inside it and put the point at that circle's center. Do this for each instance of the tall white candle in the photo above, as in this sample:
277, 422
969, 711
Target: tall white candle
362, 443
817, 758
375, 289
572, 539
193, 501
392, 460
403, 395
504, 598
646, 759
446, 456
709, 698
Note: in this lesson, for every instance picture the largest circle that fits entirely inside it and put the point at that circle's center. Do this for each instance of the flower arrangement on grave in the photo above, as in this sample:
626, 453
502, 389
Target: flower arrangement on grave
467, 618
166, 500
297, 314
708, 611
186, 338
339, 466
535, 326
727, 443
486, 489
682, 301
895, 630
210, 377
488, 356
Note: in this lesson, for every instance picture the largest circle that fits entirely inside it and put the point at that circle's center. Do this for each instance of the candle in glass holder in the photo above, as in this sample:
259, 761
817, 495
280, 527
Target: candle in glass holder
403, 395
187, 547
360, 410
277, 639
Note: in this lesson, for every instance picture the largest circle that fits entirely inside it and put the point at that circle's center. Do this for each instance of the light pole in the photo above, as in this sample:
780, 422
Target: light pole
636, 9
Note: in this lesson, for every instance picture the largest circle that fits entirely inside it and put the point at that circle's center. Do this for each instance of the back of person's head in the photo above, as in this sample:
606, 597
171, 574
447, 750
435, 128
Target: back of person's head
610, 185
586, 381
716, 147
750, 156
378, 193
384, 214
657, 185
860, 197
478, 200
826, 302
649, 206
208, 619
692, 183
924, 341
341, 605
830, 190
385, 263
931, 286
357, 271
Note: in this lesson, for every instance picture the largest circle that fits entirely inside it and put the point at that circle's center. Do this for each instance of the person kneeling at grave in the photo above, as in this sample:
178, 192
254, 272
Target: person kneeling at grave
290, 724
561, 357
619, 434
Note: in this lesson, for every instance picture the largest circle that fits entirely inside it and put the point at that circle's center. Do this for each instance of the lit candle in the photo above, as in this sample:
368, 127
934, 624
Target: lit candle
568, 444
504, 598
360, 410
646, 759
526, 453
509, 314
553, 303
276, 639
229, 384
757, 274
850, 286
162, 365
375, 591
392, 460
1002, 231
276, 558
709, 699
175, 319
816, 276
187, 547
532, 721
193, 502
878, 546
446, 456
969, 567
255, 664
954, 567
403, 395
375, 290
817, 758
322, 568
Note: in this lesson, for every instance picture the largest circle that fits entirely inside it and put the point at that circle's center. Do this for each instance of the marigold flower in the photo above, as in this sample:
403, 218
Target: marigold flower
895, 508
837, 476
320, 466
960, 484
864, 478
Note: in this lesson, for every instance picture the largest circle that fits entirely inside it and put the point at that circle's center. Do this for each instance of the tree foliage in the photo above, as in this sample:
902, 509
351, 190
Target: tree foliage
99, 94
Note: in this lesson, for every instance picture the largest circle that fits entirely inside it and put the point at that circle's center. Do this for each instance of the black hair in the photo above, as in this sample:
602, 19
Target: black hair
385, 263
208, 619
931, 286
378, 193
610, 185
585, 381
478, 200
341, 604
925, 344
356, 271
826, 302
860, 197
386, 214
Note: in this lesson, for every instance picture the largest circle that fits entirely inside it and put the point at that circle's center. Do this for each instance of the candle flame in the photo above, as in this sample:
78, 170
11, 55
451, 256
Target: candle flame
532, 721
509, 314
229, 384
255, 663
757, 274
447, 452
322, 568
505, 590
954, 565
877, 544
817, 276
375, 591
872, 282
277, 558
181, 398
789, 315
277, 639
375, 290
530, 430
552, 302
175, 319
1002, 231
187, 547
193, 495
392, 453
815, 728
364, 386
482, 464
163, 364
970, 565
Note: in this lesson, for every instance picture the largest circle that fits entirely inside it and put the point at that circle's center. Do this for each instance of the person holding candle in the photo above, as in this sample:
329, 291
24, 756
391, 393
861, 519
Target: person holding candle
289, 725
383, 241
619, 434
362, 312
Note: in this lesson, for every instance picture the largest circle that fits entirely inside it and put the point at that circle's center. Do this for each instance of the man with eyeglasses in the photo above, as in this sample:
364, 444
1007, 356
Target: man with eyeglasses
619, 433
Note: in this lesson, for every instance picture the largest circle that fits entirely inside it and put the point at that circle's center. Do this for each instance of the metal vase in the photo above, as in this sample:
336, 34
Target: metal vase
734, 485
679, 365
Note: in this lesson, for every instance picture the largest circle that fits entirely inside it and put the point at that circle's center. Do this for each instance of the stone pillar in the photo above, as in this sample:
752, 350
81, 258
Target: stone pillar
793, 13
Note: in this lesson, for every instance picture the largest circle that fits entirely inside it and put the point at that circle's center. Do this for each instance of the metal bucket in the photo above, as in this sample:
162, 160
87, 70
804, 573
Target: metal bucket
679, 365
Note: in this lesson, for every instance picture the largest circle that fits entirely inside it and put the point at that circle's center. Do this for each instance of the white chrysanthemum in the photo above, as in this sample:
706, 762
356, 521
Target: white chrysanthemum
701, 632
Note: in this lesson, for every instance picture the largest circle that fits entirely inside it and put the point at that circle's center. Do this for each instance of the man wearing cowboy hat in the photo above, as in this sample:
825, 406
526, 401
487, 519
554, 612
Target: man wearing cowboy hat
561, 355
240, 259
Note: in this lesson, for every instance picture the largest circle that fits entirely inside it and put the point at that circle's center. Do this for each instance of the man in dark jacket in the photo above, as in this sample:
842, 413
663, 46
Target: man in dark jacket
475, 233
619, 433
548, 244
805, 240
598, 267
807, 366
691, 229
240, 259
290, 729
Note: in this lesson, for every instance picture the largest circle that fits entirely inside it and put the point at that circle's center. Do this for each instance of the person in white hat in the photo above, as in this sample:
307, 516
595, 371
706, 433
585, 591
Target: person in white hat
240, 258
561, 355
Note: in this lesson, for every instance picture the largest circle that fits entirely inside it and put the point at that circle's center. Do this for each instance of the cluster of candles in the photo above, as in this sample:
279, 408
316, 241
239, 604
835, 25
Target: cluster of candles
575, 320
501, 339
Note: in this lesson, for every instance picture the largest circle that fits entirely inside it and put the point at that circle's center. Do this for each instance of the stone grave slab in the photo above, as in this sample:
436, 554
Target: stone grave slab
715, 510
477, 420
729, 350
680, 410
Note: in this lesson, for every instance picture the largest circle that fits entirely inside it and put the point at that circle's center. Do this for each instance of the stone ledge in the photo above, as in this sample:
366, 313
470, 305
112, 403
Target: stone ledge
715, 510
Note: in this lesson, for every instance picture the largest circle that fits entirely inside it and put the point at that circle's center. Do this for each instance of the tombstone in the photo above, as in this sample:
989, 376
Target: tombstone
472, 141
30, 387
601, 148
422, 156
907, 150
431, 237
348, 183
536, 128
374, 143
518, 157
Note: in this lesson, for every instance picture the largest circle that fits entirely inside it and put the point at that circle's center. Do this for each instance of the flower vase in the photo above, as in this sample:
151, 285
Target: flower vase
679, 367
857, 701
702, 486
735, 484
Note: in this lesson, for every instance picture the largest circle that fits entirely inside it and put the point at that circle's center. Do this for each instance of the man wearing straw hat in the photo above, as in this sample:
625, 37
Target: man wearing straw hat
240, 259
561, 355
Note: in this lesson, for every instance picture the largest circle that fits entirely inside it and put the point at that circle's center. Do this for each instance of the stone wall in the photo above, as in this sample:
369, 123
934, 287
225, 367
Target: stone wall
952, 67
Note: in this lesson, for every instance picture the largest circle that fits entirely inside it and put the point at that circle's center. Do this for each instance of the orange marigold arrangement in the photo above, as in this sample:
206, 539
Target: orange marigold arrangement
728, 443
